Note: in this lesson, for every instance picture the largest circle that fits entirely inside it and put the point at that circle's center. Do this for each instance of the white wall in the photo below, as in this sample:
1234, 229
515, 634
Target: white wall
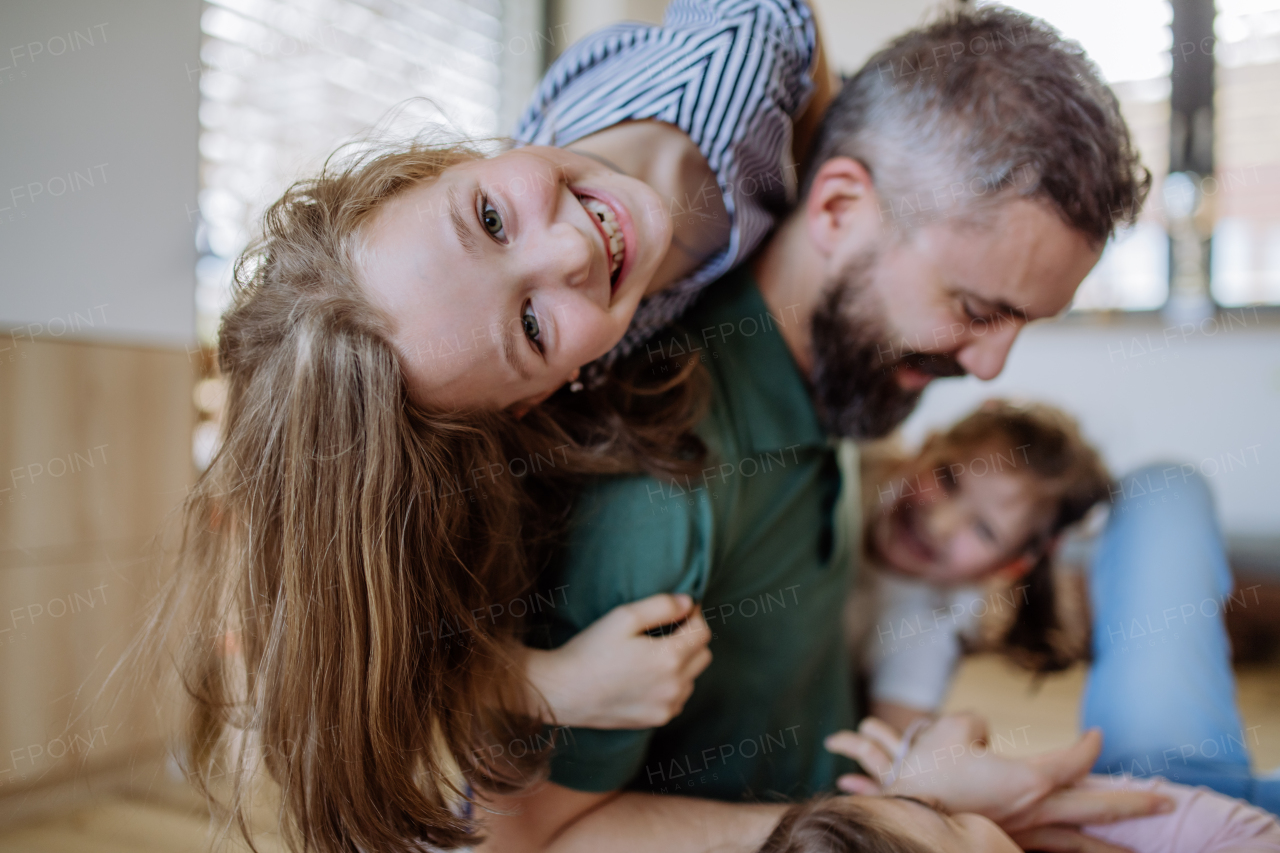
1146, 391
852, 31
98, 174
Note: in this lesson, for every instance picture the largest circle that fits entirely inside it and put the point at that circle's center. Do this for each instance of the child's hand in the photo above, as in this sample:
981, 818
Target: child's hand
613, 675
952, 762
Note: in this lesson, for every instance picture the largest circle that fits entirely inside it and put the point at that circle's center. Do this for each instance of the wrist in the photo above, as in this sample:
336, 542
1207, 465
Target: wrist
542, 670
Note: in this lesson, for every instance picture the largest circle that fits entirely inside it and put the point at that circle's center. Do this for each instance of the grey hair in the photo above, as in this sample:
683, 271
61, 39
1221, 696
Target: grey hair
981, 106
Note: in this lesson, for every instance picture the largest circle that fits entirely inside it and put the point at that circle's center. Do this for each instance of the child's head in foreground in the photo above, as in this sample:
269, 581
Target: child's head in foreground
987, 498
884, 825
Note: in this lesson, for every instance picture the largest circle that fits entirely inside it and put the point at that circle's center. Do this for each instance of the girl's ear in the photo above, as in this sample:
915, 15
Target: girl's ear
522, 408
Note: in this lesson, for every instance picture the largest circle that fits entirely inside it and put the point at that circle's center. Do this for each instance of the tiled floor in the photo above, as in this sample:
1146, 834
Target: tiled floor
1022, 721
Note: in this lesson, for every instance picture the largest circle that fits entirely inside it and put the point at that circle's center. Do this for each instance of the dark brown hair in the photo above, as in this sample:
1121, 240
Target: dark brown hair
1069, 475
981, 105
340, 526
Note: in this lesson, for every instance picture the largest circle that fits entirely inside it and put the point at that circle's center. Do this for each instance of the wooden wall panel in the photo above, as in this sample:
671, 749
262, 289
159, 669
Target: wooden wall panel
95, 457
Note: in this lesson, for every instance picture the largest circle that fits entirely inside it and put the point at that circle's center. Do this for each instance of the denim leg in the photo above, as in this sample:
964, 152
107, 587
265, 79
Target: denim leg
1161, 687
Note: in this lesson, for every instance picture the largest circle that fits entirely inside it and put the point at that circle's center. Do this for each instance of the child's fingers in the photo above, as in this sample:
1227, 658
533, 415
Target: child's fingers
1084, 807
853, 783
861, 749
1063, 839
694, 666
885, 735
695, 631
653, 612
1064, 766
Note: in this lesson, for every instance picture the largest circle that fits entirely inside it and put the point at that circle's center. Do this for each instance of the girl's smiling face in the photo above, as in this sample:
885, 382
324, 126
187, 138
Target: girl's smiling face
505, 275
947, 524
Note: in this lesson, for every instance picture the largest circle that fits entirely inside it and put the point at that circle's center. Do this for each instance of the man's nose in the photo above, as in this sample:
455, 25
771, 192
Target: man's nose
984, 357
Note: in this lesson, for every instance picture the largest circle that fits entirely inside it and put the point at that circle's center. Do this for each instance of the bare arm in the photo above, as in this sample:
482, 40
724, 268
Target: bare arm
554, 819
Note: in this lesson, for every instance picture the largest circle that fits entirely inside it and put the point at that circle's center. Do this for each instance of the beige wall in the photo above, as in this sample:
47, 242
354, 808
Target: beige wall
95, 450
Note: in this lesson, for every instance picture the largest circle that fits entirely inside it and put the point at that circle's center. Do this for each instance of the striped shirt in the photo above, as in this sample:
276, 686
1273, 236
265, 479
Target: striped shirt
732, 74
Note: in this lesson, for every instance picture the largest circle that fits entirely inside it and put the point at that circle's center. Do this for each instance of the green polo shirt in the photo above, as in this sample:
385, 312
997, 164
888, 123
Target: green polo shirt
753, 539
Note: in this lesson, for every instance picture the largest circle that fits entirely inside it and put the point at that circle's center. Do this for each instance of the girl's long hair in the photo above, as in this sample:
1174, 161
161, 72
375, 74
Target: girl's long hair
349, 562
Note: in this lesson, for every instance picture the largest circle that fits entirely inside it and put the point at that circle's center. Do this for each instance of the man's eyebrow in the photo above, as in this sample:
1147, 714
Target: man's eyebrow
460, 223
1000, 306
1013, 310
509, 354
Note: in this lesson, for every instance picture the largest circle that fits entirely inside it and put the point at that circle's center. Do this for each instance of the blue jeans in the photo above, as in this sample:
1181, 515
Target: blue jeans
1161, 687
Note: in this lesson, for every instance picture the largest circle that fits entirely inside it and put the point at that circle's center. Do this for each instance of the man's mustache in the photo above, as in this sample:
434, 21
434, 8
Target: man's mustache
938, 364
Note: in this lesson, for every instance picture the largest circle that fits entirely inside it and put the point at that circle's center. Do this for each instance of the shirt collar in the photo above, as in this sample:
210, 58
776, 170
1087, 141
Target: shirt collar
755, 368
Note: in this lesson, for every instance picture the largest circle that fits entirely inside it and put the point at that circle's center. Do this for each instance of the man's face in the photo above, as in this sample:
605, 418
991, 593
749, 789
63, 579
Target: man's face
943, 299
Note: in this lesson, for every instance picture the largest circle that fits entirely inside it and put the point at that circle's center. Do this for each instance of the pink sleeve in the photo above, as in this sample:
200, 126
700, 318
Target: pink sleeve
1203, 822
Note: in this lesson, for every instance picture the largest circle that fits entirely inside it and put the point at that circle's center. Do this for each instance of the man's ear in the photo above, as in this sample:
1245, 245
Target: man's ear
841, 199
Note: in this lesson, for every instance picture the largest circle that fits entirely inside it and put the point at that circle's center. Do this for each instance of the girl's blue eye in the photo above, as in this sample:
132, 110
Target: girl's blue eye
530, 322
985, 532
491, 219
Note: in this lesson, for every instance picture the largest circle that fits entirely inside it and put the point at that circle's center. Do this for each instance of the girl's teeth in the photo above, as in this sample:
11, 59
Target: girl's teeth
609, 223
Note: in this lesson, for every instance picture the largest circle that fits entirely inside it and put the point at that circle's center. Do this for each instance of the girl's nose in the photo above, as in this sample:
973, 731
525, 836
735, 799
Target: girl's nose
944, 519
566, 258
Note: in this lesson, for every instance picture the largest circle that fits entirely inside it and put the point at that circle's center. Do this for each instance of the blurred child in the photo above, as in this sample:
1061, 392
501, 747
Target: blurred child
981, 505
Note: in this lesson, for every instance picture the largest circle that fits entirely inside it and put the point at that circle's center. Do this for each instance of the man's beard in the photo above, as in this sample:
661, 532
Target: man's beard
855, 362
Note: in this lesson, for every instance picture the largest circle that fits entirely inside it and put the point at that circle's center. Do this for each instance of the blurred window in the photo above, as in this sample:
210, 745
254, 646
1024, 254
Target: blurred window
1130, 43
283, 83
1245, 264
